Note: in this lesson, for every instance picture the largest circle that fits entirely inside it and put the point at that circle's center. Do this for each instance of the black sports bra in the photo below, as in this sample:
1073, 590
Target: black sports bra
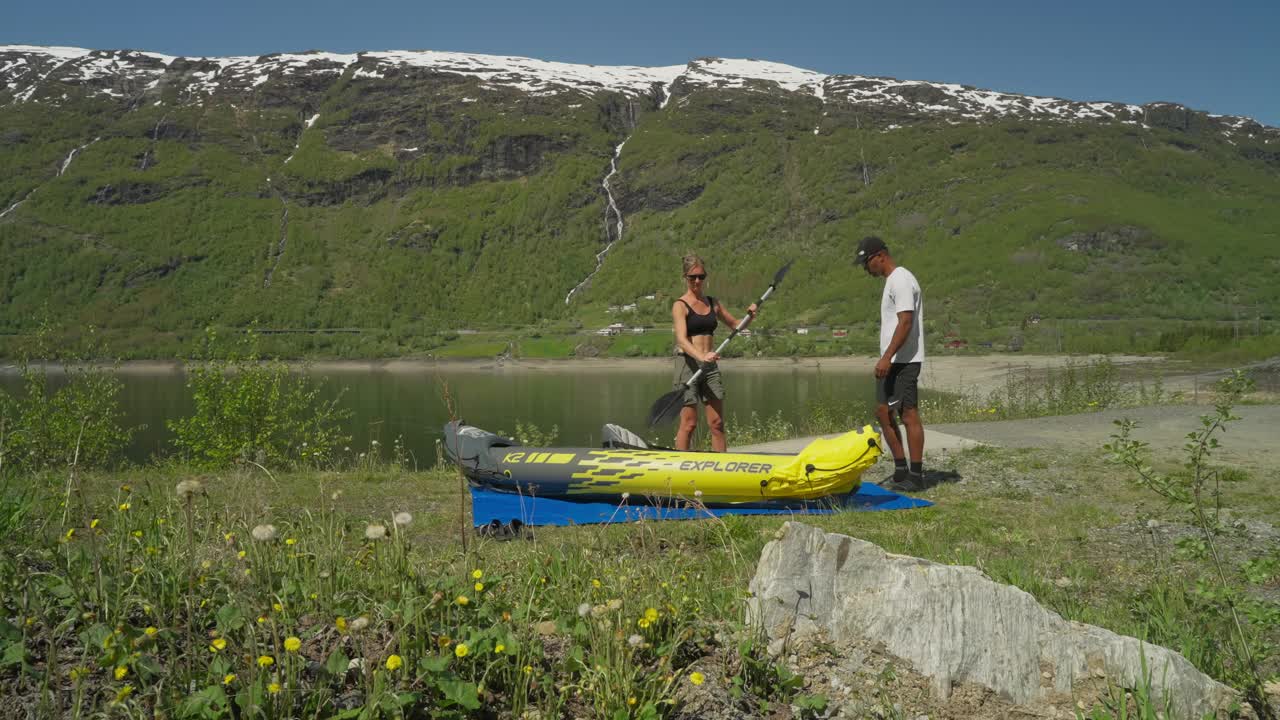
701, 324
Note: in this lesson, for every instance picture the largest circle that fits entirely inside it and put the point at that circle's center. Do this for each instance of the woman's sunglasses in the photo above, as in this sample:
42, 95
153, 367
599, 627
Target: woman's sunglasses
697, 276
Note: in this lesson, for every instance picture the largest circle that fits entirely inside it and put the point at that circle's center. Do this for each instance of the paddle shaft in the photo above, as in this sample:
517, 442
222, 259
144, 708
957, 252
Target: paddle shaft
742, 324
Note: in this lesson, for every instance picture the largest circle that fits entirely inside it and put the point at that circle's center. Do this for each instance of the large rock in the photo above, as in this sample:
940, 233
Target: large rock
954, 625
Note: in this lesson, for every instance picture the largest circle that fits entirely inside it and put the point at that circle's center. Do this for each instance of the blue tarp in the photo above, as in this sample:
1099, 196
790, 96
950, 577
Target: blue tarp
487, 506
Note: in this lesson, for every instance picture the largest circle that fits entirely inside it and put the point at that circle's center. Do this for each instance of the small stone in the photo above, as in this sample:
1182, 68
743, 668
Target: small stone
1153, 524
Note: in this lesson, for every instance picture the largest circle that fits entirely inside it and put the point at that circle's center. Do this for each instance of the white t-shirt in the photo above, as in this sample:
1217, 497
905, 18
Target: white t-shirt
902, 293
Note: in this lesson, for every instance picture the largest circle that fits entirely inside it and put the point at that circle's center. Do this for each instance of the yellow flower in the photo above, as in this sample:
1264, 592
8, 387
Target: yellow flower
228, 678
137, 533
341, 624
697, 678
217, 644
528, 669
124, 693
121, 672
643, 623
595, 582
631, 700
159, 521
477, 574
443, 641
277, 607
124, 506
461, 650
651, 615
93, 524
394, 662
291, 541
240, 554
499, 648
274, 688
479, 587
70, 532
151, 631
266, 661
228, 536
292, 644
261, 618
462, 600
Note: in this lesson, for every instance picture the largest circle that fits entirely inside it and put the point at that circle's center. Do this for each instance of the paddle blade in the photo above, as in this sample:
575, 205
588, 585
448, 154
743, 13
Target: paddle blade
782, 272
666, 408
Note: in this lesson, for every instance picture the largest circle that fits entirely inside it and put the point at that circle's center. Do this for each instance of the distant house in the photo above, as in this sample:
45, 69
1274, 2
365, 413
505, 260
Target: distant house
605, 331
630, 307
802, 331
839, 333
616, 326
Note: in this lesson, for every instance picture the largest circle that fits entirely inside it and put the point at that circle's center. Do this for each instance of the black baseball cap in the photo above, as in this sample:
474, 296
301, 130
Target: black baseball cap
868, 246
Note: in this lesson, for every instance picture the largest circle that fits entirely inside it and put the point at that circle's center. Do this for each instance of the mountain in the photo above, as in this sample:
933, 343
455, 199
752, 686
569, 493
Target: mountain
407, 193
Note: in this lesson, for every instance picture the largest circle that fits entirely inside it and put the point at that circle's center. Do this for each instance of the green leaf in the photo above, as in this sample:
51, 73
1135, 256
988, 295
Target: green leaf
337, 663
14, 654
460, 693
433, 663
230, 618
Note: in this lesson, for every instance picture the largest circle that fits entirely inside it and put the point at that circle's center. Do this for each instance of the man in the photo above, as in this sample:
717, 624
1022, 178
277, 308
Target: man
898, 369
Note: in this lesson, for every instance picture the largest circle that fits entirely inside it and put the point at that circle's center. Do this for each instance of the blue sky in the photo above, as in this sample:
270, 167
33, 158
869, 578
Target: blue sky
1221, 57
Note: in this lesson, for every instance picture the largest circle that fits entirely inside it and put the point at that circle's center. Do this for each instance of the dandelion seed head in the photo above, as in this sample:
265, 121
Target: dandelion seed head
615, 604
635, 641
375, 532
402, 519
264, 533
584, 609
188, 488
358, 624
697, 493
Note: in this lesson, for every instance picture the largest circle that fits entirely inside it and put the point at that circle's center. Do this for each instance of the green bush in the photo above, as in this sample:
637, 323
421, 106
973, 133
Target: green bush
248, 409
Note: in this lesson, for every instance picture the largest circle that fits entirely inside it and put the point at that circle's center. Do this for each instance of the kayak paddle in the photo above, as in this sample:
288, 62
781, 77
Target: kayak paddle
666, 408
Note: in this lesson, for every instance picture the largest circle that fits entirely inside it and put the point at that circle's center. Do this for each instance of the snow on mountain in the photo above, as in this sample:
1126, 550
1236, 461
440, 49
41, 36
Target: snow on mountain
44, 74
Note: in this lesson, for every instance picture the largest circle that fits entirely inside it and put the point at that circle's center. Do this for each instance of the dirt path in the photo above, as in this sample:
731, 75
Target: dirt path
1252, 440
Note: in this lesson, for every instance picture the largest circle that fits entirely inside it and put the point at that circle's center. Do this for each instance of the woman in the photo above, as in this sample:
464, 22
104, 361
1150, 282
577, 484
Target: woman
693, 317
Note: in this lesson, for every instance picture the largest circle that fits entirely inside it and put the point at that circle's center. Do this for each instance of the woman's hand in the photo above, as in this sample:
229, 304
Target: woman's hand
710, 356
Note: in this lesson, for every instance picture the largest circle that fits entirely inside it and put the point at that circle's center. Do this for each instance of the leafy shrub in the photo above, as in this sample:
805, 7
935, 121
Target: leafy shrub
250, 409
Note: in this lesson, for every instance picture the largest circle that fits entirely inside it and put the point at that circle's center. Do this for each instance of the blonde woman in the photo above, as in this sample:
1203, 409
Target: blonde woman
694, 318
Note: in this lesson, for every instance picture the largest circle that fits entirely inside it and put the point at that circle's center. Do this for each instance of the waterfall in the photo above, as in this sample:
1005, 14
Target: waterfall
610, 210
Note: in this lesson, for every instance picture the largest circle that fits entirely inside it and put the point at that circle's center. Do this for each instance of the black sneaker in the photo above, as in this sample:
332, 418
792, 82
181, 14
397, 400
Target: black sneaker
913, 484
898, 476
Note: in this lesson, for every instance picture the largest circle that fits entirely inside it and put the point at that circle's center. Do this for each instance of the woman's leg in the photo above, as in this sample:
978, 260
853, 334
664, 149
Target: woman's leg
715, 423
684, 430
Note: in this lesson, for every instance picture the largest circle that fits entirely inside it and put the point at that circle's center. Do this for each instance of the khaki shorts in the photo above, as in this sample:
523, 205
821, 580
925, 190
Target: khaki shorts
709, 385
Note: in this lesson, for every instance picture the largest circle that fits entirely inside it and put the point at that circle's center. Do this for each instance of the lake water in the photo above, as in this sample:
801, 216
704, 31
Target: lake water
407, 401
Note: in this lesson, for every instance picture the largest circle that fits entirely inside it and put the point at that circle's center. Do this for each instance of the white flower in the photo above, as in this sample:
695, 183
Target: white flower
697, 493
187, 488
635, 641
626, 496
264, 533
358, 624
375, 532
403, 518
374, 442
584, 609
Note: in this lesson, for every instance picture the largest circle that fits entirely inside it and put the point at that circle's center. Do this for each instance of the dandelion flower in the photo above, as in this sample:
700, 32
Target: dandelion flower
70, 533
595, 582
697, 678
277, 607
241, 554
266, 661
651, 615
291, 541
341, 624
359, 624
121, 672
274, 688
264, 533
93, 524
584, 609
217, 644
499, 648
394, 662
124, 693
228, 678
462, 600
635, 641
375, 532
461, 650
137, 533
150, 631
479, 587
187, 488
528, 669
124, 506
402, 518
477, 573
292, 644
643, 623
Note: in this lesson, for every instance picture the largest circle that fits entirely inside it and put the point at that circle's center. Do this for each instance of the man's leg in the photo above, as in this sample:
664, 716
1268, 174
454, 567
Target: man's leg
909, 396
886, 407
915, 435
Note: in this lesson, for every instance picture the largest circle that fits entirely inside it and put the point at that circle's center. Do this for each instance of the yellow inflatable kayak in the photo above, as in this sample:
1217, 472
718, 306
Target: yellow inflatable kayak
626, 467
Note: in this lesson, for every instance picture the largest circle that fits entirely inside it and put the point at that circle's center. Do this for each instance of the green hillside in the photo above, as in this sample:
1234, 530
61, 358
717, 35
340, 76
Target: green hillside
422, 202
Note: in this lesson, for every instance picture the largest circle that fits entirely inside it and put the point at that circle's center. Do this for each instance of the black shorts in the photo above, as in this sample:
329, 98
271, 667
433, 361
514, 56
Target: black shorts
900, 388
